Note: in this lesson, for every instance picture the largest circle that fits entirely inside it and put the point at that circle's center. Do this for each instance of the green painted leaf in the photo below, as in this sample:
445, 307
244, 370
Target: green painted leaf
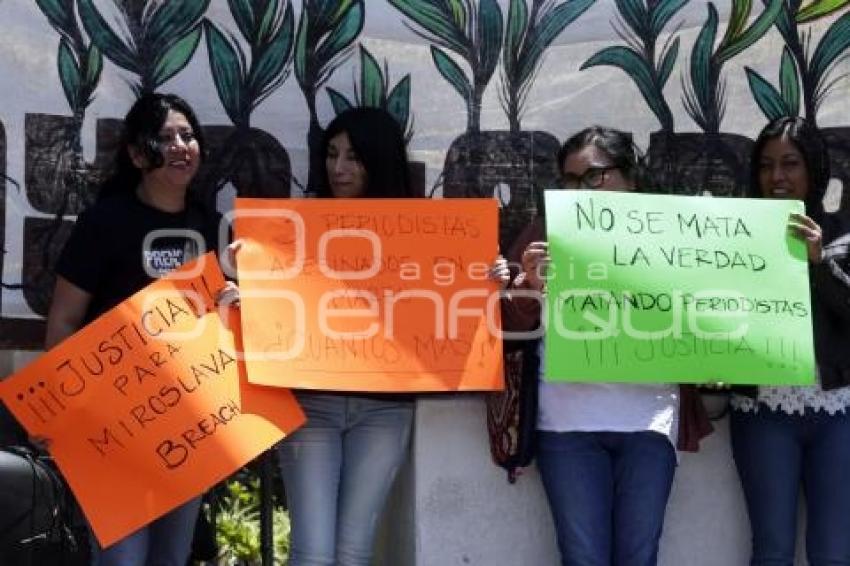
737, 20
302, 49
173, 59
517, 26
785, 23
174, 19
69, 74
373, 86
60, 13
227, 72
753, 33
452, 72
94, 66
342, 35
105, 39
819, 9
438, 23
635, 15
272, 61
322, 11
268, 21
90, 74
489, 30
243, 14
637, 68
458, 10
789, 83
832, 45
549, 27
662, 14
339, 102
332, 11
766, 96
701, 60
398, 102
668, 61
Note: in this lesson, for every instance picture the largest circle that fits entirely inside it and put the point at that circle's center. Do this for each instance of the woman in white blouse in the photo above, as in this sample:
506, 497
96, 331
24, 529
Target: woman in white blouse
606, 451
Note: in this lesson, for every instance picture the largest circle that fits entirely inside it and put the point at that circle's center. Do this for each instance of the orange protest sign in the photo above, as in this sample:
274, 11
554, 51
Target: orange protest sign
370, 295
148, 406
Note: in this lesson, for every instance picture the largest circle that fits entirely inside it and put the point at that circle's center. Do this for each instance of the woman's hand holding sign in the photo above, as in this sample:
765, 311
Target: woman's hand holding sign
535, 263
810, 232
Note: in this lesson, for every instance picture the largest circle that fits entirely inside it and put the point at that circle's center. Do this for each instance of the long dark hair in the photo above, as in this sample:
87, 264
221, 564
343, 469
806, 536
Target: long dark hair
618, 145
141, 129
808, 141
378, 141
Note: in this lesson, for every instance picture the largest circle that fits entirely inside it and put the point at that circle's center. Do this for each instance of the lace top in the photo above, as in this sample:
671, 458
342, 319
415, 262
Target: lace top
795, 399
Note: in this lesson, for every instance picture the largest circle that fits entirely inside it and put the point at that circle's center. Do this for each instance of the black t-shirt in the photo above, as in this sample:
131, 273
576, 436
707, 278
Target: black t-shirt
108, 256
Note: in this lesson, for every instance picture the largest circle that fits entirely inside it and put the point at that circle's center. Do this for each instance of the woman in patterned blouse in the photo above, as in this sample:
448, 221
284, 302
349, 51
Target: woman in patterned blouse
783, 437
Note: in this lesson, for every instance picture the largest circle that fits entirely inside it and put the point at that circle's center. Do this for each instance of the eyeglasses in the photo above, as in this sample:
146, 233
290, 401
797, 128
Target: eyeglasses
592, 178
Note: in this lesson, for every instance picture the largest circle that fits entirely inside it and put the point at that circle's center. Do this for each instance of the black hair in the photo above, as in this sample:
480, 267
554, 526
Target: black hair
378, 142
808, 141
616, 144
141, 130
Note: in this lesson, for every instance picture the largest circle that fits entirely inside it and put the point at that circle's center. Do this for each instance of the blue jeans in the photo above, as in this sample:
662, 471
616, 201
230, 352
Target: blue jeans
607, 492
165, 542
775, 453
337, 470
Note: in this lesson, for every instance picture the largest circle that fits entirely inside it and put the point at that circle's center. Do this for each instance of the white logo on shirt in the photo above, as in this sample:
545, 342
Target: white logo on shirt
163, 261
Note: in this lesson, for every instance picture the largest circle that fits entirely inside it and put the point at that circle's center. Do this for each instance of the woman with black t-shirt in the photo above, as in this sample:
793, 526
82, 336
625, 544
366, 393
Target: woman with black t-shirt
143, 225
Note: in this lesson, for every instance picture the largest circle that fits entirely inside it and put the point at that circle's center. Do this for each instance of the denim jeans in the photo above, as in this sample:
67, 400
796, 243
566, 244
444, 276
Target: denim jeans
775, 453
607, 492
165, 542
337, 470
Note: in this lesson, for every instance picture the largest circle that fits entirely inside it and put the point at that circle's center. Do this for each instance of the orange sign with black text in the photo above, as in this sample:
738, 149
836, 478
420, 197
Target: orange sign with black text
149, 405
373, 295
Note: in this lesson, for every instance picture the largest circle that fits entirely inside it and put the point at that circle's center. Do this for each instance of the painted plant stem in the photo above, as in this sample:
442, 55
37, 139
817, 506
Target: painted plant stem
471, 30
529, 33
640, 24
326, 33
705, 97
269, 29
79, 65
804, 75
157, 41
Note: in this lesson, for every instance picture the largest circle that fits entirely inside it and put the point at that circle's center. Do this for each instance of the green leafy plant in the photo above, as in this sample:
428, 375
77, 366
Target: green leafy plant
79, 63
238, 526
528, 35
157, 41
640, 24
248, 158
819, 9
326, 33
56, 170
268, 27
805, 76
375, 92
705, 93
472, 32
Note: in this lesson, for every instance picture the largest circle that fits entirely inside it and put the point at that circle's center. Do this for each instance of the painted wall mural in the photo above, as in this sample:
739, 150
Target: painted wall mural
484, 90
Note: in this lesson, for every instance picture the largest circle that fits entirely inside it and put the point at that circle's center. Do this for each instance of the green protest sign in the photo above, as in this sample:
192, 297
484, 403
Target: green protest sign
661, 288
